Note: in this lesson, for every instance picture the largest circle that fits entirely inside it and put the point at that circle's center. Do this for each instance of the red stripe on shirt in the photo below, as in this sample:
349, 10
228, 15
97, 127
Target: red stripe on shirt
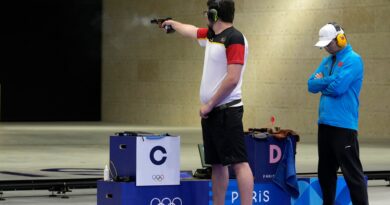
202, 32
235, 54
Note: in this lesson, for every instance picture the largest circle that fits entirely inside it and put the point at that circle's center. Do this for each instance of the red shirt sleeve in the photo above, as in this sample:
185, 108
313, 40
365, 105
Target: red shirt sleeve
235, 54
202, 33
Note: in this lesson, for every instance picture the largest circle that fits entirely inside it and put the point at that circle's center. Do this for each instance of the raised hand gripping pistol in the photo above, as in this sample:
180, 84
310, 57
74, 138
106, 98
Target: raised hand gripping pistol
168, 28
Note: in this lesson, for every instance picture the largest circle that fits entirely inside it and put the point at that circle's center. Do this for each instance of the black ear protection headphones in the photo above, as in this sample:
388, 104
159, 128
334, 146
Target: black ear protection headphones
341, 39
212, 13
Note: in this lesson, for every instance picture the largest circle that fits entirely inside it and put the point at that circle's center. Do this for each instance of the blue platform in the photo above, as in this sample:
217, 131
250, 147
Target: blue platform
198, 192
264, 155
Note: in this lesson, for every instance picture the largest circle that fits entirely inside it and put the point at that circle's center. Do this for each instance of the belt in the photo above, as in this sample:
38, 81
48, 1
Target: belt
226, 105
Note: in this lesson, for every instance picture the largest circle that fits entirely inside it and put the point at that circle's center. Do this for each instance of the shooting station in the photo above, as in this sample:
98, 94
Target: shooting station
188, 102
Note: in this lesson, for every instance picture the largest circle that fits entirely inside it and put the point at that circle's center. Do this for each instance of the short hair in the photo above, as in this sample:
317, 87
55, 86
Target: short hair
225, 9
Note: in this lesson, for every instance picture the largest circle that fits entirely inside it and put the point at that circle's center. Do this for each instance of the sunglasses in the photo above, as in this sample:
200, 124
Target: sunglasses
330, 43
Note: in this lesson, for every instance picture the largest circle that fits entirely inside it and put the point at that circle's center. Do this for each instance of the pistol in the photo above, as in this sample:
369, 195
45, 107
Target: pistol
168, 28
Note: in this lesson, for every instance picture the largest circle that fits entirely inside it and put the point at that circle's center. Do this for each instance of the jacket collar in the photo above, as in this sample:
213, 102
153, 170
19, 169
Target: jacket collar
342, 52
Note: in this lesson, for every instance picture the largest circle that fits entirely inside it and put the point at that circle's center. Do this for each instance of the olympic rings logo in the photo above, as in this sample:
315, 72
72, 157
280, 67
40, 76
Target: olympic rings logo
158, 178
166, 201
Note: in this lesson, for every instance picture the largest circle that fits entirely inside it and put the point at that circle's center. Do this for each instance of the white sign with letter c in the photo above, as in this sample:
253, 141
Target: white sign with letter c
158, 161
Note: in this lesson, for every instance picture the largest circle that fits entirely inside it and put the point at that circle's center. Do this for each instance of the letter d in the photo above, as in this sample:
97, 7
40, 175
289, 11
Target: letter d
274, 159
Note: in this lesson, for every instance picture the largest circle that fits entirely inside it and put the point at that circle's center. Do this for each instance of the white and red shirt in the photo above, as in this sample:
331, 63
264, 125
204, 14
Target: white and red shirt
228, 47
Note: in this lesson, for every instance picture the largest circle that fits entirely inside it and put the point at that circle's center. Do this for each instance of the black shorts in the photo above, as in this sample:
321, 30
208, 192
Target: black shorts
223, 137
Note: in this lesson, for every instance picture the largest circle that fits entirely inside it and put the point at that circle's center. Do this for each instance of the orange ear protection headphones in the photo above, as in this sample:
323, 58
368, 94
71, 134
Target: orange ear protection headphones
341, 39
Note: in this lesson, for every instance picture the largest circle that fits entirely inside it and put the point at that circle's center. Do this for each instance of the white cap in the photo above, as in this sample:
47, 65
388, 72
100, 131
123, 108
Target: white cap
327, 34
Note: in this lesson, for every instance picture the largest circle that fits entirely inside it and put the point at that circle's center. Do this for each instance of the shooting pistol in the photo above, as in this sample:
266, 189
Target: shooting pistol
168, 28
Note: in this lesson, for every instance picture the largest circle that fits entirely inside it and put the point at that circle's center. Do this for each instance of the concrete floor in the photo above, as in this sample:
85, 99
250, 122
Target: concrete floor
28, 148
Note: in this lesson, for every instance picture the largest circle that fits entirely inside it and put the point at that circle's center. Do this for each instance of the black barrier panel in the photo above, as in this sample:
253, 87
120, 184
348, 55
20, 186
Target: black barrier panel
51, 62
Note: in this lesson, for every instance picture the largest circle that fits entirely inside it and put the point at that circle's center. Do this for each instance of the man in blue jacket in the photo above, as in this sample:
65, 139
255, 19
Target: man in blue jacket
339, 78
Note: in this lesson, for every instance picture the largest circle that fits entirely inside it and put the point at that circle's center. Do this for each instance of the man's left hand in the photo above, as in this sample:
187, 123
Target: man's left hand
205, 109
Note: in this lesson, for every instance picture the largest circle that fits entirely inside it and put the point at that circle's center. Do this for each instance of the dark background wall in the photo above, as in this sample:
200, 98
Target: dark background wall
51, 66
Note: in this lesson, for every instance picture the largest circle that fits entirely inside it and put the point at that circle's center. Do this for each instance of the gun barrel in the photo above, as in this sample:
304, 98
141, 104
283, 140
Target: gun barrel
154, 21
158, 21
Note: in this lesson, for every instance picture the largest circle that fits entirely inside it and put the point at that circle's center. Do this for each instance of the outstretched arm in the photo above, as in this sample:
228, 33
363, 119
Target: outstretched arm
184, 29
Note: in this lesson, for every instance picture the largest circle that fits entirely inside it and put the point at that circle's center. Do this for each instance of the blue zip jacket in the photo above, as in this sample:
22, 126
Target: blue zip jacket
340, 88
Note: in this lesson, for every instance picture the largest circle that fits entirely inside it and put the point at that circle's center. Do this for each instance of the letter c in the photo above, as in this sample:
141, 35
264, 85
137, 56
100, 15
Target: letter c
153, 151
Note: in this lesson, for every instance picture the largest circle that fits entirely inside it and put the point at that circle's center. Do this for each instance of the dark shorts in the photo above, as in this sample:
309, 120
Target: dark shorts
223, 137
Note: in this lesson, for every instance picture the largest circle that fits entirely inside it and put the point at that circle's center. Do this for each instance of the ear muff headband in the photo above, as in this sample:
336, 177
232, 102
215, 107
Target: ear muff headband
341, 40
212, 14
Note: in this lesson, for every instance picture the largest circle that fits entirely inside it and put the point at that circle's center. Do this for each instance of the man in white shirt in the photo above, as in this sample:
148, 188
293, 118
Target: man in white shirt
220, 94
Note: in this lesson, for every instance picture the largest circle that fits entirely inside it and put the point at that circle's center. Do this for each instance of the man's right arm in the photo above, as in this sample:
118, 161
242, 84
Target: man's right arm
316, 84
184, 29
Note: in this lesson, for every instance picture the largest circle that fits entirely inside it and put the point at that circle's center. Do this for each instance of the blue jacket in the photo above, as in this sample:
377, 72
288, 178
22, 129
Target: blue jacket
340, 88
